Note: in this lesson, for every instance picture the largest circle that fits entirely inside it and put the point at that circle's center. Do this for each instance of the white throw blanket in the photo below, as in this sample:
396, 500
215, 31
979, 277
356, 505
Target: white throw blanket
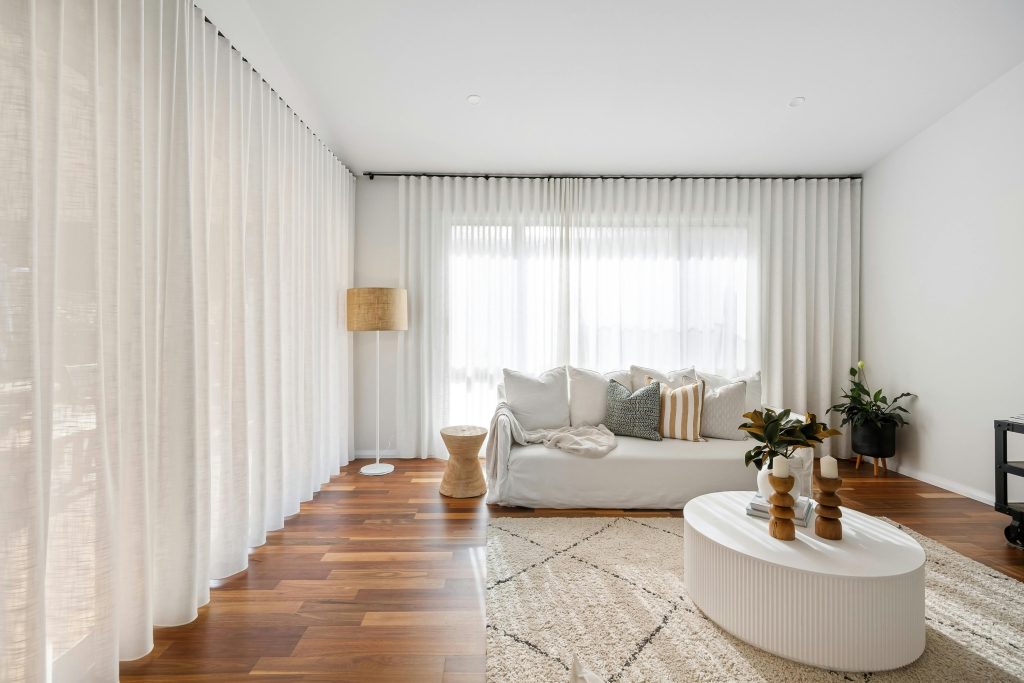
587, 441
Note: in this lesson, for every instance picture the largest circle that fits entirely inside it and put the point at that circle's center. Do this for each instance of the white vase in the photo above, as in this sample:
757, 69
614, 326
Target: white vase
763, 487
801, 467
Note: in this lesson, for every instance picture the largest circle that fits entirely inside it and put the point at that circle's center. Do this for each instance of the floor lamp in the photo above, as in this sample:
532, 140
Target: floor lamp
377, 309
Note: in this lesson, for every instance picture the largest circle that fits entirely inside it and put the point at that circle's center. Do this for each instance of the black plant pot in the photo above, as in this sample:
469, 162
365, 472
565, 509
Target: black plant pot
874, 441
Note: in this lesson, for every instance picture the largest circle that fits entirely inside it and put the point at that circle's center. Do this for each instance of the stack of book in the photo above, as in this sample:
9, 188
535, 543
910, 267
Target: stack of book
804, 509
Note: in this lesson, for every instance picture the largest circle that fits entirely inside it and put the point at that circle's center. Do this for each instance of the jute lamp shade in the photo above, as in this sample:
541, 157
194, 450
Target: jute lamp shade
377, 309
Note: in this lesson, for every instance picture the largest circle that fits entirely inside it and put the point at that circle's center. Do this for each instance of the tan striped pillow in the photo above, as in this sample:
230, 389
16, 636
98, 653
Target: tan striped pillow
681, 410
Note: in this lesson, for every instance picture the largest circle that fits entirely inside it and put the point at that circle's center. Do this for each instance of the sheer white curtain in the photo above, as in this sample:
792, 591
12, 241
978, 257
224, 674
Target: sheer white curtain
662, 273
482, 264
730, 275
173, 374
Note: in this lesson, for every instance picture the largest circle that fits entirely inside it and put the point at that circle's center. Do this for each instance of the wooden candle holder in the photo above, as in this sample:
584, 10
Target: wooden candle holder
826, 523
781, 525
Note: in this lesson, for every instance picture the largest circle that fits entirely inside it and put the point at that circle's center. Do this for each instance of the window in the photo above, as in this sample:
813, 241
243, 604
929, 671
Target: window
596, 296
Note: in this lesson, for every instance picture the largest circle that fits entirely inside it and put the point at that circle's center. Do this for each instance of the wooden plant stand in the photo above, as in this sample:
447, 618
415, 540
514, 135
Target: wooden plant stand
827, 512
781, 524
885, 466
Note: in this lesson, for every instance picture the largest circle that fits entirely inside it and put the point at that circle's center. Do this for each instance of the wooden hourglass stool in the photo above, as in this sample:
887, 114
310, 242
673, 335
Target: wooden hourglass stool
463, 476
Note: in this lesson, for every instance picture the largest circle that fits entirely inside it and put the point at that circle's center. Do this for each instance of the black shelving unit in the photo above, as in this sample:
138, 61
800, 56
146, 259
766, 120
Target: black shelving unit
1015, 531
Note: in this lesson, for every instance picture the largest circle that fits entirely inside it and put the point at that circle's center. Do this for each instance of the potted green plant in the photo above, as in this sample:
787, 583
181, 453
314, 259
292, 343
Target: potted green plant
874, 417
779, 434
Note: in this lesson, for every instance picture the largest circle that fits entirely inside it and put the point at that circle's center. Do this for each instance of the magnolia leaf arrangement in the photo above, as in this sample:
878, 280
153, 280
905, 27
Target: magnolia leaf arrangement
780, 434
861, 406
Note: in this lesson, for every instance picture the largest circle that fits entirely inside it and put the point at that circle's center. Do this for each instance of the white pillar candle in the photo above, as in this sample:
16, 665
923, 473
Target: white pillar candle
780, 467
829, 468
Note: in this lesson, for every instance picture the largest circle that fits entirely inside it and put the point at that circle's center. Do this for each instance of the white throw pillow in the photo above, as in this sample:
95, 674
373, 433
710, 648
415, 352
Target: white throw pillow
538, 402
753, 400
620, 376
723, 412
674, 379
588, 395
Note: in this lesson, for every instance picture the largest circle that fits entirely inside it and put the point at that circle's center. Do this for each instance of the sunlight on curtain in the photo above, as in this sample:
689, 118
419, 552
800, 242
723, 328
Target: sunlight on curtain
612, 283
659, 297
664, 297
174, 379
729, 275
502, 305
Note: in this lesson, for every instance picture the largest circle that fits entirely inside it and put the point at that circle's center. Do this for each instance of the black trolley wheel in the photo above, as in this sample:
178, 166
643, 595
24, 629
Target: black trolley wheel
1015, 534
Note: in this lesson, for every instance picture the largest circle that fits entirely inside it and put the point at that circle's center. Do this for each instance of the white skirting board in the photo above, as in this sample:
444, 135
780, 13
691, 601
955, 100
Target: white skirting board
928, 478
941, 482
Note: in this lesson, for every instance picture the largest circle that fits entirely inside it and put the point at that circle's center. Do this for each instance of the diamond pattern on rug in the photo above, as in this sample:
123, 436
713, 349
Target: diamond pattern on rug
635, 561
534, 529
512, 555
670, 525
522, 655
555, 608
609, 592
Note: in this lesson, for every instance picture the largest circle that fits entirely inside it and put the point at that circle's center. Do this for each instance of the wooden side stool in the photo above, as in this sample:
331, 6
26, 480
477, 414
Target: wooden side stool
463, 477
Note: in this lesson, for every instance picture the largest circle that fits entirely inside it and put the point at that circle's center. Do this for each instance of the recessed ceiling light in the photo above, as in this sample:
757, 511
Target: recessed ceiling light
474, 99
796, 102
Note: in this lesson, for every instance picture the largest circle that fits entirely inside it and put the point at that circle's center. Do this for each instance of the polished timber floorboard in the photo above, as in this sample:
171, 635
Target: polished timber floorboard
380, 579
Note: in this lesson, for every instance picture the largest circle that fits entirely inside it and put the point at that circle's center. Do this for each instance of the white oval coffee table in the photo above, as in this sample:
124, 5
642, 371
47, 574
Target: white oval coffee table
850, 605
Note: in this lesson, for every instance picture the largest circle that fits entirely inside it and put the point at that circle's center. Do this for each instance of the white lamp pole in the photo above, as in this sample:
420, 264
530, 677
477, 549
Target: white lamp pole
377, 309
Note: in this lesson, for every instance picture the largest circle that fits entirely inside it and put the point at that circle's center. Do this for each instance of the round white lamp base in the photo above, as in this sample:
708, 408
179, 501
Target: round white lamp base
377, 469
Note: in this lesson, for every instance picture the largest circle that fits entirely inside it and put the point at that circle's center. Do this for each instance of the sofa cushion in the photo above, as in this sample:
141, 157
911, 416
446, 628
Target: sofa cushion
538, 402
674, 379
681, 410
636, 474
753, 388
588, 395
620, 376
634, 413
723, 411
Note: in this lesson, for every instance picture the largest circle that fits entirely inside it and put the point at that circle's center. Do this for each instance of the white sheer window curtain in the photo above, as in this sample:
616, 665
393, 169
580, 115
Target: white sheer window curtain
174, 379
730, 275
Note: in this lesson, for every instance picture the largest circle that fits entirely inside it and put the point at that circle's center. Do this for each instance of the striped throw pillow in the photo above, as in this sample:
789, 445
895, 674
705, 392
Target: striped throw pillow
681, 410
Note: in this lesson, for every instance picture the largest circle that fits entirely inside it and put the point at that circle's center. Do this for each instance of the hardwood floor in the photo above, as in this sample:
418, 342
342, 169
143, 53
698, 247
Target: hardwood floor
380, 579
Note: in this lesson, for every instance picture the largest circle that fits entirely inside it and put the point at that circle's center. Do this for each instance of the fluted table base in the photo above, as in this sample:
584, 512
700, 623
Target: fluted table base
795, 607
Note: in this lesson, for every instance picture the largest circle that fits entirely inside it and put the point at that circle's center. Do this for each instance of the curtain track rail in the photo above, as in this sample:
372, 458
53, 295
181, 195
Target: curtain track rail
421, 174
277, 94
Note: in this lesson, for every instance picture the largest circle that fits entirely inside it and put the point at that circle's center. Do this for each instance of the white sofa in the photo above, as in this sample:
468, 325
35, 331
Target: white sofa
637, 474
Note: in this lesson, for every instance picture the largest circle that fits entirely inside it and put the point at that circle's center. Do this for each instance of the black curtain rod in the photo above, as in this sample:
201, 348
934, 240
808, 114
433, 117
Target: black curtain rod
287, 106
526, 176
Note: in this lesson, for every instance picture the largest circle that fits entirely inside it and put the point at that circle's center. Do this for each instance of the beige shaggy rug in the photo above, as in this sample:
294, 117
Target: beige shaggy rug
610, 593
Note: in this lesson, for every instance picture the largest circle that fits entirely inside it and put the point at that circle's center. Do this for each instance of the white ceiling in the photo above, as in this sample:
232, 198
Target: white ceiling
616, 86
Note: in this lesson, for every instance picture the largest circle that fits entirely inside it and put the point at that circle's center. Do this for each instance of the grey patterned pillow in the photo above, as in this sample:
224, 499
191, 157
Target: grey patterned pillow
636, 413
723, 412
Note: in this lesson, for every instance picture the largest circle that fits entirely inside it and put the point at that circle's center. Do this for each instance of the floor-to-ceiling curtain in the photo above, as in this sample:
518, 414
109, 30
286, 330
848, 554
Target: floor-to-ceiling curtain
495, 244
174, 377
730, 275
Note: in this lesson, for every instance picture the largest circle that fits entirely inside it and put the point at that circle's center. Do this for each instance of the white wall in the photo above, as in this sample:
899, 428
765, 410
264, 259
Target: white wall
376, 265
943, 277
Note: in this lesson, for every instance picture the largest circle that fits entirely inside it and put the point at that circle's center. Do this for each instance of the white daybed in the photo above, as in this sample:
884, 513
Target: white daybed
637, 474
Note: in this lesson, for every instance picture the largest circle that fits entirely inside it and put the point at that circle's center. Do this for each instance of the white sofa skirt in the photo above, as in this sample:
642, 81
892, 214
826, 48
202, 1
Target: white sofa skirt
637, 474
